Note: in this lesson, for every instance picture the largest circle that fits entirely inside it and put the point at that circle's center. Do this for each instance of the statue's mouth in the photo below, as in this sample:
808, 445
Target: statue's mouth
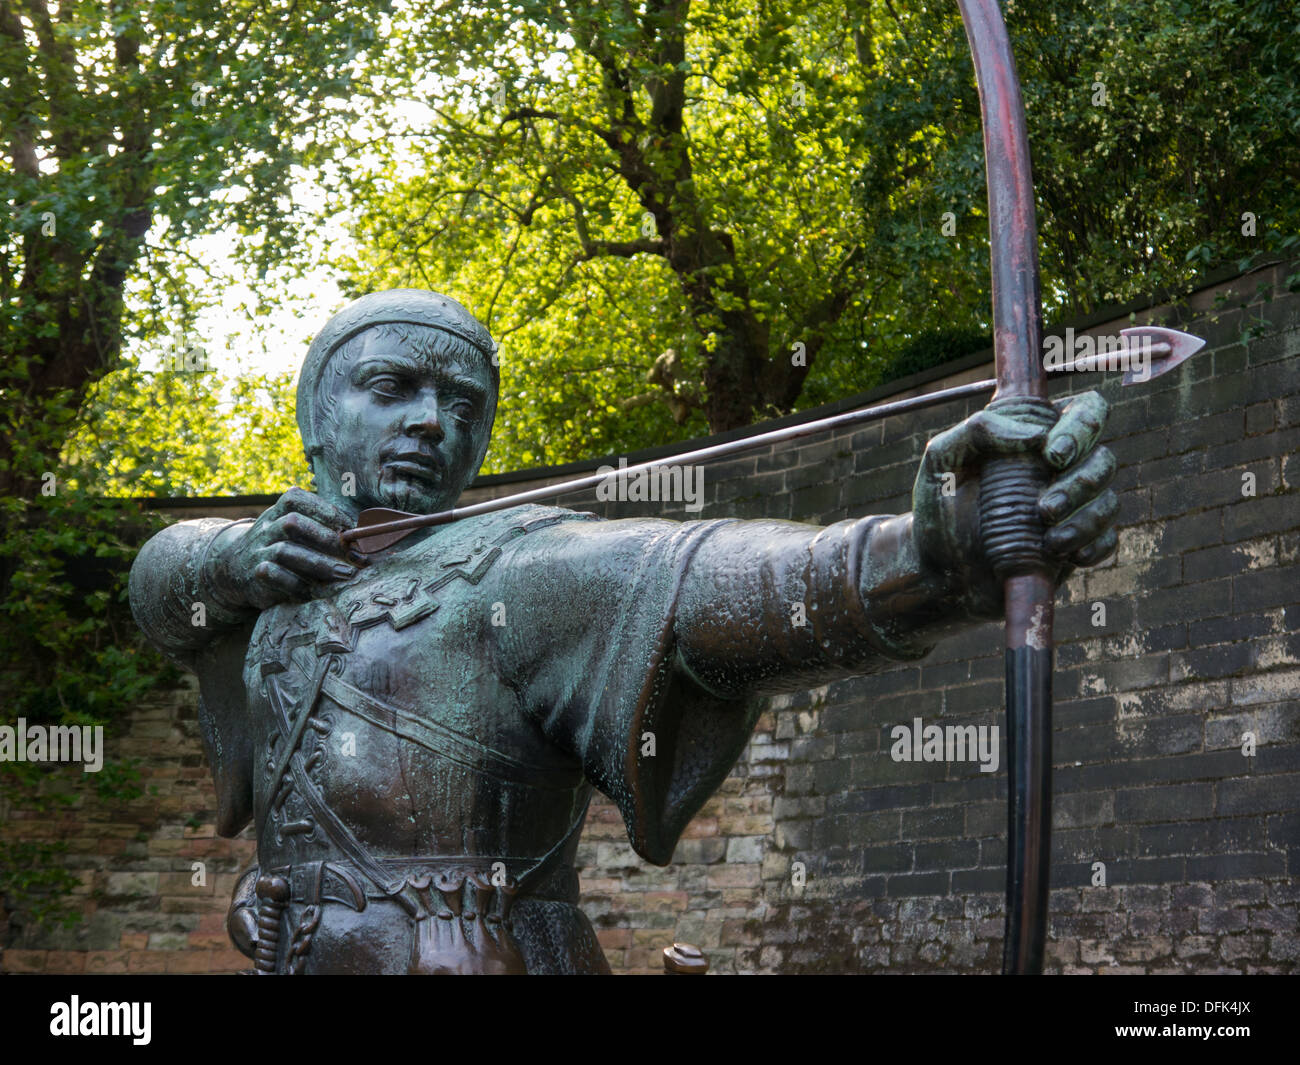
416, 465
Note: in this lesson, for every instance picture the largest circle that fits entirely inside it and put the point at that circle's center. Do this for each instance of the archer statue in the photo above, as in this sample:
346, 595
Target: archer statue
416, 732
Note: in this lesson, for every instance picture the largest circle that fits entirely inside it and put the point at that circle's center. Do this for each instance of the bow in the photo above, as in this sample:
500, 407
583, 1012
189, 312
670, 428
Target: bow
1009, 487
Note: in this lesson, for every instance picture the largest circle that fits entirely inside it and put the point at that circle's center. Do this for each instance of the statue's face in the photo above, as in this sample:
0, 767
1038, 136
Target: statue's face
410, 427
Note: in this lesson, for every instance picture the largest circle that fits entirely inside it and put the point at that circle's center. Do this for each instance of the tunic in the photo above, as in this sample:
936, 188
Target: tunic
419, 743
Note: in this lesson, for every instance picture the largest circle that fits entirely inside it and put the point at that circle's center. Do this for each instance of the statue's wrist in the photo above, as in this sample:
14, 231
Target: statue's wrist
951, 557
911, 602
218, 589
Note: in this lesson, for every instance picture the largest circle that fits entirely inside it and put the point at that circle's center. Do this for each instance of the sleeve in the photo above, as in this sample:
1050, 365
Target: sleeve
771, 606
167, 581
634, 644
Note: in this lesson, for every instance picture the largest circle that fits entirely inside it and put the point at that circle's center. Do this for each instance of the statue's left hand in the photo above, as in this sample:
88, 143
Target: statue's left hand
1077, 507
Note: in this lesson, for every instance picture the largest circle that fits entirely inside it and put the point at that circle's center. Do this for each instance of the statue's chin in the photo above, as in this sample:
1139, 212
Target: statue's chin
411, 494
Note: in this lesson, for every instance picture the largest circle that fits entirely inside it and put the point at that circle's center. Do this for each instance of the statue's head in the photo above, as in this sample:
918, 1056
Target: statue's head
396, 401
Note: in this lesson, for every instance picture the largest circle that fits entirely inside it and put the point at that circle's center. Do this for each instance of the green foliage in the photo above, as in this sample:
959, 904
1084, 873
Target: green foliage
119, 781
70, 654
934, 349
129, 129
69, 649
31, 875
629, 225
1165, 137
184, 433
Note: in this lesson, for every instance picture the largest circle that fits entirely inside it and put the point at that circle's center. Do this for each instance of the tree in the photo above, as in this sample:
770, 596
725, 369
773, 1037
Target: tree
1165, 138
636, 184
681, 217
124, 115
129, 128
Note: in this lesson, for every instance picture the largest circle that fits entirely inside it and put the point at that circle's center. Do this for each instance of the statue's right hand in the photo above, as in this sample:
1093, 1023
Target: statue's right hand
294, 544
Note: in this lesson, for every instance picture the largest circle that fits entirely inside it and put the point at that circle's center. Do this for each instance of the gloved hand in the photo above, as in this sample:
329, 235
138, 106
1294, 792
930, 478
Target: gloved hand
1077, 508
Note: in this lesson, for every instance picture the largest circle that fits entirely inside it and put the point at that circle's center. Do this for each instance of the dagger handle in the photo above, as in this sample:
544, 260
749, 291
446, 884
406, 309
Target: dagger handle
272, 896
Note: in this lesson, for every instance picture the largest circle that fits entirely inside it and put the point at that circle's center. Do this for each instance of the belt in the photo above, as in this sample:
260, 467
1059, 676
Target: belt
461, 908
339, 880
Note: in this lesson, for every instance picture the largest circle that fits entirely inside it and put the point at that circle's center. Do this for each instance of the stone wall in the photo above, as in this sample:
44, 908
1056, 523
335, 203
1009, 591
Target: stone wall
1195, 646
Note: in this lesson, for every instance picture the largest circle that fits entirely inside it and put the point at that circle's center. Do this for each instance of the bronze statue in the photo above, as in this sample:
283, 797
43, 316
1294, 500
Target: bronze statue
416, 732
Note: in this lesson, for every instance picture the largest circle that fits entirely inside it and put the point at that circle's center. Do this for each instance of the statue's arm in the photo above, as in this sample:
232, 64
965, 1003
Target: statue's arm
176, 600
771, 605
170, 580
775, 604
747, 605
612, 631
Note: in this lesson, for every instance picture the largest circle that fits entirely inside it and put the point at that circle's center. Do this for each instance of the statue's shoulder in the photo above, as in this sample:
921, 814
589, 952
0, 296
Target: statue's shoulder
469, 547
503, 526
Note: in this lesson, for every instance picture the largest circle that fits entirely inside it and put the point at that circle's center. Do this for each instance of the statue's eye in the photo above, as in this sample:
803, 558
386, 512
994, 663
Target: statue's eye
386, 385
462, 408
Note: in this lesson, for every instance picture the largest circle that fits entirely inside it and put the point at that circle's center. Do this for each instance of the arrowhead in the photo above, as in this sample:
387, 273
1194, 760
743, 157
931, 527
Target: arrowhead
1171, 347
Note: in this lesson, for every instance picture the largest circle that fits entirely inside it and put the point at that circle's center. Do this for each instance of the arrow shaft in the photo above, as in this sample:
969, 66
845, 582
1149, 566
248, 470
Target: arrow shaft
706, 454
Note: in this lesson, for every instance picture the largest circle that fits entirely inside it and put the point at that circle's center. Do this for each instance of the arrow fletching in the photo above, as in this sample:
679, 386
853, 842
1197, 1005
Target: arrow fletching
377, 541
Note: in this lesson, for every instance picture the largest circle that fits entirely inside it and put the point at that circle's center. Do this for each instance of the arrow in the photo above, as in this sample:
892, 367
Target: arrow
379, 527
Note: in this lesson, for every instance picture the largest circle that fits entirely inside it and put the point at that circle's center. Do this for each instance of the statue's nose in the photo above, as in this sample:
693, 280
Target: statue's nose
425, 421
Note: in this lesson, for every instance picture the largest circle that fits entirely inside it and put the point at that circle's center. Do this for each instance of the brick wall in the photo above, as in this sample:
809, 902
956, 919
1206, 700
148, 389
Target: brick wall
145, 905
903, 861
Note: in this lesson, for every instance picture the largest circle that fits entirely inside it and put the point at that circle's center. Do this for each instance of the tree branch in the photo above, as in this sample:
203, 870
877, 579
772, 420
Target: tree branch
58, 59
594, 249
624, 249
783, 379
